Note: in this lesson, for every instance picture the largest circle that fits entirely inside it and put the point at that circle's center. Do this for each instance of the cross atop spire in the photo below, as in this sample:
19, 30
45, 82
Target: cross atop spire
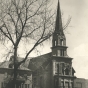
58, 25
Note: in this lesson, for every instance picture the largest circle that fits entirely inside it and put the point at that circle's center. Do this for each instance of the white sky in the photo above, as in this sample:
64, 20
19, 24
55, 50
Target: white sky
77, 35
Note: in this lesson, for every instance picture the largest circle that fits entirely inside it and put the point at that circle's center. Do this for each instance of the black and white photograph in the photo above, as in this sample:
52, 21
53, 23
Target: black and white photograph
43, 43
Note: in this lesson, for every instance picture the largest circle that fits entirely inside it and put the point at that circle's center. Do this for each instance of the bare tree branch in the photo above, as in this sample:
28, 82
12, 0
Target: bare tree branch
66, 25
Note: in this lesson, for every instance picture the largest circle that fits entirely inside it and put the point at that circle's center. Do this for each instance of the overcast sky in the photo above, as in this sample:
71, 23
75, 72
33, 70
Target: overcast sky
76, 34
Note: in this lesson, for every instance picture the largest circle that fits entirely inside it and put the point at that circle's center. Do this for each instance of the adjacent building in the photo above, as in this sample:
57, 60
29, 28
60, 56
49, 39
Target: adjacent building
24, 77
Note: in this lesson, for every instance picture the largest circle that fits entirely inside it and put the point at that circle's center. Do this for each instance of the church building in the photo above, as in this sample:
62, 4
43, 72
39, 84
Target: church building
54, 69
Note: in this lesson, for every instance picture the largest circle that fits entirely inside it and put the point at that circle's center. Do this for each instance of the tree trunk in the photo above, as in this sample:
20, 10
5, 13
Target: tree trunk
15, 67
15, 77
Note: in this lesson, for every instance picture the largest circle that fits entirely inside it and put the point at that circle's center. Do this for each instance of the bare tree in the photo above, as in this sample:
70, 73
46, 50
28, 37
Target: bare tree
25, 20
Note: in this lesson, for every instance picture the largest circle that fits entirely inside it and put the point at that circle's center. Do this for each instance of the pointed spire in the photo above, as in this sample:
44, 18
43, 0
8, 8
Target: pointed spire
58, 25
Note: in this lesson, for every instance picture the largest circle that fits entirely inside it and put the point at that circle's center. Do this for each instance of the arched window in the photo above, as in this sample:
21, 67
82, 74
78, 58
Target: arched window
61, 42
58, 52
62, 52
55, 43
66, 71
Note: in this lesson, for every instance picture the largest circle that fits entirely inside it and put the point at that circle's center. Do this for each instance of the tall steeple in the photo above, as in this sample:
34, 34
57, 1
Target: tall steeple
58, 25
59, 40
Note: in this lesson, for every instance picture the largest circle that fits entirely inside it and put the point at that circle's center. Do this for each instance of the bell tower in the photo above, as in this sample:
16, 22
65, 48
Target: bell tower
62, 70
59, 41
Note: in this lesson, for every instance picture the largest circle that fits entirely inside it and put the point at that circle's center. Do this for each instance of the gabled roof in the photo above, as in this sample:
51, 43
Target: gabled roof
23, 66
39, 61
